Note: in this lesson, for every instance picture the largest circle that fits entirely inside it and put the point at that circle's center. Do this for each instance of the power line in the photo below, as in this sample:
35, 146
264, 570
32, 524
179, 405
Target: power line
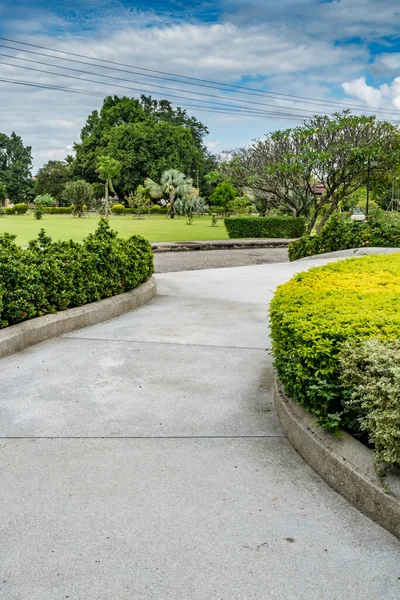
224, 105
240, 112
151, 84
201, 81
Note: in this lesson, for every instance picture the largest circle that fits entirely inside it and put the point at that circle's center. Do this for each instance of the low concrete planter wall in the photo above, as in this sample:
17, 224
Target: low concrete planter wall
345, 463
28, 333
240, 244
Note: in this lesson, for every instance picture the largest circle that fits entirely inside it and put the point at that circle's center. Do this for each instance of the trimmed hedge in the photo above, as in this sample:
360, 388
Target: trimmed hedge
58, 210
265, 227
315, 313
343, 233
51, 276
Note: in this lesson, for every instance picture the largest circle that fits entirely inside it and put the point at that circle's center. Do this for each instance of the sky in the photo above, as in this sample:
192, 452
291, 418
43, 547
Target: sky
326, 52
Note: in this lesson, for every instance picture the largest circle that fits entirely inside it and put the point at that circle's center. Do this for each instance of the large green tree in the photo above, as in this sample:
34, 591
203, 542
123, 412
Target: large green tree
15, 168
51, 179
147, 137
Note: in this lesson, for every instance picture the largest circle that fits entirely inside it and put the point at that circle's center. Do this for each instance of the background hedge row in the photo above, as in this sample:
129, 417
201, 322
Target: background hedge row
265, 227
50, 276
322, 317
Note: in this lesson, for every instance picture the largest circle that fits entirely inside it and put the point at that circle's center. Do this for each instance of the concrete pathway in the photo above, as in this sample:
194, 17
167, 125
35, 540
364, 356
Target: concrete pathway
142, 459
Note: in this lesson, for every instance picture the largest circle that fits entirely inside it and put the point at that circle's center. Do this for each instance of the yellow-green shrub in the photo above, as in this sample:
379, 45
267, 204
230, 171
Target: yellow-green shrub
316, 312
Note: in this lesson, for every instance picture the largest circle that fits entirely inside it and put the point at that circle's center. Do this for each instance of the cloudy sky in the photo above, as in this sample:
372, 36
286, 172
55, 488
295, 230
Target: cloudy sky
307, 54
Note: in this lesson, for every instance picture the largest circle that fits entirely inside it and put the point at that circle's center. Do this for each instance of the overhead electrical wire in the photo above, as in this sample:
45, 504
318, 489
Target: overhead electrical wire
94, 93
224, 105
199, 81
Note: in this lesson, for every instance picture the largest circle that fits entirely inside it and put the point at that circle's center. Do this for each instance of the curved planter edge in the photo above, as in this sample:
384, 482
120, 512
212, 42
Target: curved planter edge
28, 333
344, 463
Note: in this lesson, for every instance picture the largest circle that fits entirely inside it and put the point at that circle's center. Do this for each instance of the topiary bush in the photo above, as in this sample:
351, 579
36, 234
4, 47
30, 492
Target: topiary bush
118, 209
21, 208
342, 233
265, 227
316, 313
51, 276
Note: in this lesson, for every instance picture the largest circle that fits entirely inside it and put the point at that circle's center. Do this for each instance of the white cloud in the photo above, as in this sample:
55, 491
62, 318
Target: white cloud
272, 49
384, 96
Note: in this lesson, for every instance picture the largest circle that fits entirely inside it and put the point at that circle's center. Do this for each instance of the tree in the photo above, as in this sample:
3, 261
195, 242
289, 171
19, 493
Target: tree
335, 150
147, 137
3, 192
80, 194
140, 201
15, 168
51, 179
223, 195
173, 183
41, 202
108, 168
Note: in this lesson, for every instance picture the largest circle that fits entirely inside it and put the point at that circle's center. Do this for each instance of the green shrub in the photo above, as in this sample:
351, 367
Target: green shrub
158, 210
265, 227
51, 276
315, 313
371, 371
341, 233
59, 210
118, 209
21, 208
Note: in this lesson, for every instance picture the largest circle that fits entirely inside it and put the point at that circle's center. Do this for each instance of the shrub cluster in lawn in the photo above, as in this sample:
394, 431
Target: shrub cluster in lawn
315, 318
21, 208
58, 210
50, 276
118, 209
341, 233
265, 227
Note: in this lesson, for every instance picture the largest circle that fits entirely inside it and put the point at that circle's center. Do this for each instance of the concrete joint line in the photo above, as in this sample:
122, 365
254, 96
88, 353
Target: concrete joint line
160, 343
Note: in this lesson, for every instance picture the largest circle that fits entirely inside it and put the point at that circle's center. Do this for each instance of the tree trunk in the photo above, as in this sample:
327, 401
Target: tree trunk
171, 205
106, 204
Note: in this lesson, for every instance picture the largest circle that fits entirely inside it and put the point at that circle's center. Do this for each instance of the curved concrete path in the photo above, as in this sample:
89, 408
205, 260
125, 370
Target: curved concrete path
142, 459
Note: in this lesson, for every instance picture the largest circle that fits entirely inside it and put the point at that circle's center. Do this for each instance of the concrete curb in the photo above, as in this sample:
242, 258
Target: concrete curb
344, 463
221, 244
28, 333
351, 253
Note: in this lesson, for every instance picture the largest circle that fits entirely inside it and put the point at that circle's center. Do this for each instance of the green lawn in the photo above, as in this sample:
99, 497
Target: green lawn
156, 228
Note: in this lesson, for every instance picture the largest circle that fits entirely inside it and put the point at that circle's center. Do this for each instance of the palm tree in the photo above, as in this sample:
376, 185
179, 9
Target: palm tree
173, 183
108, 168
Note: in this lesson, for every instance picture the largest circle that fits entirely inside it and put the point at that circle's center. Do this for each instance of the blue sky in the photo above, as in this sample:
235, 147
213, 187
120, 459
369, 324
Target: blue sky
346, 50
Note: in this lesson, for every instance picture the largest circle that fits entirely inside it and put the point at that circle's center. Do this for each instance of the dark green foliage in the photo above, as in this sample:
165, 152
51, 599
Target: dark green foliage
15, 168
51, 179
342, 233
265, 227
51, 276
146, 137
223, 195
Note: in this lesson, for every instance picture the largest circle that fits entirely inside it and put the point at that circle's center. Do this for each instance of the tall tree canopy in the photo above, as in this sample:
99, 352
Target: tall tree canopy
51, 179
15, 168
147, 137
336, 150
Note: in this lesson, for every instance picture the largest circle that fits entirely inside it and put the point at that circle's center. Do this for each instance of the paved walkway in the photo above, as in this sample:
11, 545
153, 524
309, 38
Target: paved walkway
142, 459
166, 262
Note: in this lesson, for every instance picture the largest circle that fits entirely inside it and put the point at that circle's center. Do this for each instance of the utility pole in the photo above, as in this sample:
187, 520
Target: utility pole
368, 186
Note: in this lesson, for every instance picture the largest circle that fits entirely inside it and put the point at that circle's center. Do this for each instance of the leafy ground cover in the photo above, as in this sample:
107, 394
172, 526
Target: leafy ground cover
155, 229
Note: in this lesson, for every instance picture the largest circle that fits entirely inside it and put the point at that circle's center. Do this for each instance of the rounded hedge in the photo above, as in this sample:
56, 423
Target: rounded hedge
316, 313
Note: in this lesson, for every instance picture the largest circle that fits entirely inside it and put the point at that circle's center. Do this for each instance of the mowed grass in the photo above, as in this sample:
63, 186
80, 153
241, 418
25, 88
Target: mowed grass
156, 228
